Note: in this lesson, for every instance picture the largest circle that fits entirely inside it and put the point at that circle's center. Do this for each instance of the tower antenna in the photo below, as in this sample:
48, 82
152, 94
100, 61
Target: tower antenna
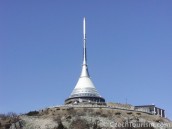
84, 40
84, 90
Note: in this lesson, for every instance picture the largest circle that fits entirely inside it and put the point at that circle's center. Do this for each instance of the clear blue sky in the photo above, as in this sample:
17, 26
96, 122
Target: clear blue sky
129, 51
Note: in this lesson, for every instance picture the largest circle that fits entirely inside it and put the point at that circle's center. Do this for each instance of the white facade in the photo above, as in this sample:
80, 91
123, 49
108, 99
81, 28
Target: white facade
84, 86
84, 89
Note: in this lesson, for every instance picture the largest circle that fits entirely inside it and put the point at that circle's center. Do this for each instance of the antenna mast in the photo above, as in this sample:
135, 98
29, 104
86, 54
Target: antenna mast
84, 40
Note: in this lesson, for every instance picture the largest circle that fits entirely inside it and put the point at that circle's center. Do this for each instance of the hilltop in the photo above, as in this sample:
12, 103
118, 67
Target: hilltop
87, 117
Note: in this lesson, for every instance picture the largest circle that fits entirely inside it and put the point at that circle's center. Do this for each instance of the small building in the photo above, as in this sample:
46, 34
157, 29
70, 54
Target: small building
151, 109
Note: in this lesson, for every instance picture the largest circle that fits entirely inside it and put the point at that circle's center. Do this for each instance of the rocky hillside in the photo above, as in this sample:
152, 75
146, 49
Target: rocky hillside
85, 118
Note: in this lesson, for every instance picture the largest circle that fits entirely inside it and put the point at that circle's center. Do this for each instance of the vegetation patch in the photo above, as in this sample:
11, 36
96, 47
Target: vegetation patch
129, 113
138, 113
7, 119
118, 113
32, 113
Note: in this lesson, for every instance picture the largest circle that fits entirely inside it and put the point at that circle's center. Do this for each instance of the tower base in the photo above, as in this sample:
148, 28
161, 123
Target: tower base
85, 100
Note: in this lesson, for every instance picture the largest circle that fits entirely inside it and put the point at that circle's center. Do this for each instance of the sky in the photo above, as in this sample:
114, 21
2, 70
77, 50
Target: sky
129, 48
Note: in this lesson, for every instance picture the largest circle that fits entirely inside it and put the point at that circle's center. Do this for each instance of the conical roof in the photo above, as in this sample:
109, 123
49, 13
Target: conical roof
84, 86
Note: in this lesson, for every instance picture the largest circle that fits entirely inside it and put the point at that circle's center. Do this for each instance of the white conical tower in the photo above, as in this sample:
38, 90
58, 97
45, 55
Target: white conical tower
84, 89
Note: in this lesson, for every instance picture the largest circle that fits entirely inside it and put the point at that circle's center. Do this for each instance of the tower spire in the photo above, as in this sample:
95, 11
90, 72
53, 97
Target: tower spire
84, 90
84, 72
84, 40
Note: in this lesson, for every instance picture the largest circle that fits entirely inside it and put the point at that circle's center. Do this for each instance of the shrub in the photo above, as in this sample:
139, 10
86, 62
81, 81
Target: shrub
118, 113
104, 115
60, 126
32, 113
8, 115
138, 113
7, 119
3, 116
129, 113
98, 113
